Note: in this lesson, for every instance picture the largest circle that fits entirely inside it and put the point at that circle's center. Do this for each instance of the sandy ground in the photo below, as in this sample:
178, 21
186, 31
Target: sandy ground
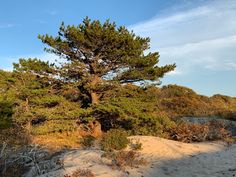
164, 157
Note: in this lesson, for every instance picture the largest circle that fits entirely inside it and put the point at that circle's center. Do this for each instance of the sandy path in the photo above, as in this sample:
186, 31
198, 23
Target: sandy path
165, 158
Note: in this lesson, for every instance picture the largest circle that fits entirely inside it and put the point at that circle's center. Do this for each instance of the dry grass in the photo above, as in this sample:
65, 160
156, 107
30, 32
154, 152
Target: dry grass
123, 159
57, 141
15, 137
211, 131
81, 173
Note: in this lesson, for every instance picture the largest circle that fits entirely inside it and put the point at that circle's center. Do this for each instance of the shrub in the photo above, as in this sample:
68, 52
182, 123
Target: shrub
187, 132
87, 141
53, 126
122, 159
217, 130
15, 137
230, 140
114, 139
136, 145
82, 173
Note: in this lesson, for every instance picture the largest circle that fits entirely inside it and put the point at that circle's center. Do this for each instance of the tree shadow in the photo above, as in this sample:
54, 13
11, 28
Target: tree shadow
220, 163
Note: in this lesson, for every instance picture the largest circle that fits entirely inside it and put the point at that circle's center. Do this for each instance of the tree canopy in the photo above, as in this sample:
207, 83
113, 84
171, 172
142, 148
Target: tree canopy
98, 55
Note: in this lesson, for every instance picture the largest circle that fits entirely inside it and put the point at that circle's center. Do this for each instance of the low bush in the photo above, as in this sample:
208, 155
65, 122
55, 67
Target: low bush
15, 137
82, 173
123, 159
87, 141
187, 132
114, 139
230, 140
136, 145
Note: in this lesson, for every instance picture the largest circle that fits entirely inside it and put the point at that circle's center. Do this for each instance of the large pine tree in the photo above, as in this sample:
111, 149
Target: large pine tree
98, 54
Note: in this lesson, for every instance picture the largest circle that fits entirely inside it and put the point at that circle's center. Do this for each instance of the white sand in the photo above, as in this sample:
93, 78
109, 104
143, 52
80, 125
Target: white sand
165, 158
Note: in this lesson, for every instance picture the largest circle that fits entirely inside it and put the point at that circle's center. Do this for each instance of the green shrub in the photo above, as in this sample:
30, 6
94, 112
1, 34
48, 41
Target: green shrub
53, 126
6, 111
114, 139
87, 141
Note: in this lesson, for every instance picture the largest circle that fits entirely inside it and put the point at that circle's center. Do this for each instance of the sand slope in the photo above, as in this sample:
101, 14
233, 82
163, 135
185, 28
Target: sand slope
165, 158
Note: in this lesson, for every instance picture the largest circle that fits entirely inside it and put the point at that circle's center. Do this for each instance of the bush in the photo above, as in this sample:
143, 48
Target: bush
87, 141
82, 173
187, 132
136, 145
114, 139
122, 159
53, 126
230, 141
217, 131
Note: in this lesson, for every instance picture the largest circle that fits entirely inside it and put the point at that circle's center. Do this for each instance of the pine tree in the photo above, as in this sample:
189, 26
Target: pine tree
99, 55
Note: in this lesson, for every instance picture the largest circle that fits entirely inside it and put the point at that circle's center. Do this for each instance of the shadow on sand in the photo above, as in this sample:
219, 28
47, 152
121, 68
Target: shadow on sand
220, 163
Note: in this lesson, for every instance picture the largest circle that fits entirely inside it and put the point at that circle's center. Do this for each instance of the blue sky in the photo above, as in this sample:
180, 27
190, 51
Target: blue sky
198, 35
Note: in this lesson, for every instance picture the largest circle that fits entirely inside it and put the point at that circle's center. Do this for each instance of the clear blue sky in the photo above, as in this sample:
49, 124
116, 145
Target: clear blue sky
199, 35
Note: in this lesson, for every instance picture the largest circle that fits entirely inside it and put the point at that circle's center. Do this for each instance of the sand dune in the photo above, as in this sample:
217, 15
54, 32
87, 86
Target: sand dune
165, 158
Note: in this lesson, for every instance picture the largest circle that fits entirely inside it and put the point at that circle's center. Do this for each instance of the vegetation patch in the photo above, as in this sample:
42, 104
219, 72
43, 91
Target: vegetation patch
123, 159
186, 132
81, 173
114, 139
87, 141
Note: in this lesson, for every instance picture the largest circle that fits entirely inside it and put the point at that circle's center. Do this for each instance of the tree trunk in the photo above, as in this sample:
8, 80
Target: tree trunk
94, 95
94, 98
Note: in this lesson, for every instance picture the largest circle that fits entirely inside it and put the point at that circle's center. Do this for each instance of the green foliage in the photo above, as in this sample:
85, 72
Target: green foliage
93, 50
87, 141
6, 111
6, 100
30, 102
47, 100
53, 127
114, 139
178, 101
131, 108
33, 65
45, 93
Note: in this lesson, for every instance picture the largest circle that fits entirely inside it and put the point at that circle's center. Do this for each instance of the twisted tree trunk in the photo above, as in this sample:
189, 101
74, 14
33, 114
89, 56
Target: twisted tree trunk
93, 94
94, 98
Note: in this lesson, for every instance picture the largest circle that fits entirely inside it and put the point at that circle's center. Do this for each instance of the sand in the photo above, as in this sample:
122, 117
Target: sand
164, 157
